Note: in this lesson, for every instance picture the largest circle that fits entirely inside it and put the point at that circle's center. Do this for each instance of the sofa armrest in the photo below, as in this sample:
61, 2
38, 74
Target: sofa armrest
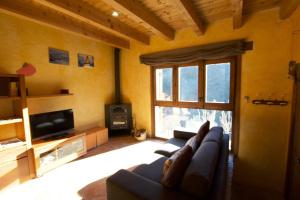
128, 185
183, 134
165, 153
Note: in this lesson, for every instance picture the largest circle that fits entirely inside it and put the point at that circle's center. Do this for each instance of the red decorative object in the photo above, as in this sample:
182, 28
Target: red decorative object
27, 69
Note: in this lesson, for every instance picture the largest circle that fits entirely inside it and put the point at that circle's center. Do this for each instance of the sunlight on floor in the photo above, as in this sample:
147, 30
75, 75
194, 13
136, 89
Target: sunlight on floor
64, 182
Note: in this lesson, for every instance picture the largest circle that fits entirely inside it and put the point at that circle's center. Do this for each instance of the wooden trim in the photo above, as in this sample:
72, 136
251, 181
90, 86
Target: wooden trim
287, 8
236, 113
165, 103
291, 143
24, 111
237, 13
142, 13
192, 14
152, 88
201, 83
48, 96
175, 85
218, 106
42, 14
85, 12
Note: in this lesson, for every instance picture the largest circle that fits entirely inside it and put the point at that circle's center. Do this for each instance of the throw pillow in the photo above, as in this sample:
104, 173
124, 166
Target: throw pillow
202, 132
192, 142
175, 167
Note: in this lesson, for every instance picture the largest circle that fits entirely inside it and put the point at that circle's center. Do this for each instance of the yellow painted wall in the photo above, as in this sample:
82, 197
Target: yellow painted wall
24, 41
296, 36
263, 130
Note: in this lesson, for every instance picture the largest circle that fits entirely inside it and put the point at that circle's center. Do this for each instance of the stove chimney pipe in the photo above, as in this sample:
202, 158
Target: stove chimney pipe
117, 76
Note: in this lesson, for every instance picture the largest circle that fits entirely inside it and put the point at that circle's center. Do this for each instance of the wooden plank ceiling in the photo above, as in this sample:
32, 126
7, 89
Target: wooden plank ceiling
140, 19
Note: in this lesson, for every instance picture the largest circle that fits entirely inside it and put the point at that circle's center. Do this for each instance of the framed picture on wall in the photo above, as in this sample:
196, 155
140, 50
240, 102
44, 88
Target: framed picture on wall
85, 60
57, 56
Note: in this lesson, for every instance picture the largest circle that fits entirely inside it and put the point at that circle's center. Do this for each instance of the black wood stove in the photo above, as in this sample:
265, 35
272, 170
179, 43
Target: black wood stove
118, 116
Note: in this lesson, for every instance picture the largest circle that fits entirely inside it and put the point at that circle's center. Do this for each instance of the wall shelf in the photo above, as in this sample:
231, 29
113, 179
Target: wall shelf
15, 138
48, 96
10, 120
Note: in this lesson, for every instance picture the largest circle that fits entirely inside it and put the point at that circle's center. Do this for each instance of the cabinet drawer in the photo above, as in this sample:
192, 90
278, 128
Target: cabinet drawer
14, 172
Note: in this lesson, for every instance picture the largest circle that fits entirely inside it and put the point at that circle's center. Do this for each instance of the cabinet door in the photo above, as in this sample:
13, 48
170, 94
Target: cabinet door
91, 141
75, 146
14, 172
48, 158
102, 136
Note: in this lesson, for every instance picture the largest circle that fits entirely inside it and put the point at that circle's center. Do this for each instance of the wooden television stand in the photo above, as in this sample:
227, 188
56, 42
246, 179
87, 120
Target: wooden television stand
49, 154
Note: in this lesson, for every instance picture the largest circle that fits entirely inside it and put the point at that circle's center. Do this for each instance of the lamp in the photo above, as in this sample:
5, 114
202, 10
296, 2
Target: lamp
27, 69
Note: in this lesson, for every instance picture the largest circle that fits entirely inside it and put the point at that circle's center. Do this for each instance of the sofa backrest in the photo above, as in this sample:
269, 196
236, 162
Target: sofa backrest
199, 176
215, 134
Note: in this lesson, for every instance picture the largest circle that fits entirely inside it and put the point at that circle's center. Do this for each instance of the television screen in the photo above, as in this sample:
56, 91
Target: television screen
52, 123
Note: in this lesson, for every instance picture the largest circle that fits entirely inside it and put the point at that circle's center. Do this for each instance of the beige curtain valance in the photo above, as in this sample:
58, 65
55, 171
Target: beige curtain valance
196, 53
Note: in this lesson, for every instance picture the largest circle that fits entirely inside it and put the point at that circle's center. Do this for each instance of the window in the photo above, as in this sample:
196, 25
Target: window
217, 83
188, 84
188, 95
168, 119
164, 84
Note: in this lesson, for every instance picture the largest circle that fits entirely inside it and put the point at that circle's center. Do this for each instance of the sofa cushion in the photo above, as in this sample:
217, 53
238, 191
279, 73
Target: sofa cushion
215, 134
175, 166
199, 175
202, 132
153, 171
192, 142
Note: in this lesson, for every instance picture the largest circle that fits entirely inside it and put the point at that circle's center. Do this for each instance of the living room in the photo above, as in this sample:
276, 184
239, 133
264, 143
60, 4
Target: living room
132, 79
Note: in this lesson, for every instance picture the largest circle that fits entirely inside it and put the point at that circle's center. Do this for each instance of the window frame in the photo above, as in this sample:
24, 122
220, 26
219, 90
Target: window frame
153, 75
235, 94
186, 104
201, 104
221, 106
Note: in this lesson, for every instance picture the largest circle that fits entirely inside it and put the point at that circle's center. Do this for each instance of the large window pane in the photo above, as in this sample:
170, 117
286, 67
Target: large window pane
217, 83
168, 119
188, 83
164, 84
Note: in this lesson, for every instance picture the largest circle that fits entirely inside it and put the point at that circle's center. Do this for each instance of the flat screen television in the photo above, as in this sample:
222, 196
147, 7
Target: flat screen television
51, 124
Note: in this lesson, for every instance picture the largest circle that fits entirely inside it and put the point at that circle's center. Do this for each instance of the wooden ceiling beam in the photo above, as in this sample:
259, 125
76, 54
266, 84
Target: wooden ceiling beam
287, 8
140, 12
82, 11
191, 12
42, 14
237, 13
